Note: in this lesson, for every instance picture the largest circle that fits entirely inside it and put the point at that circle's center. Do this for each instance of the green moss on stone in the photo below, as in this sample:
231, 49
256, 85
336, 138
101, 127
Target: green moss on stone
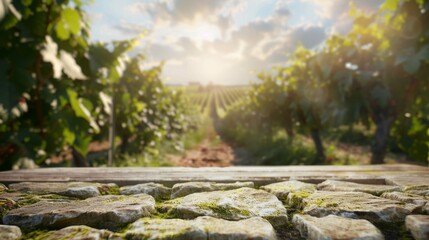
35, 234
6, 205
226, 212
58, 197
28, 199
302, 194
109, 190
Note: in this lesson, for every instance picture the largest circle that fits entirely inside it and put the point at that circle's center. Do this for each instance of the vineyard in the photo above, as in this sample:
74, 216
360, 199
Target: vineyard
65, 98
218, 98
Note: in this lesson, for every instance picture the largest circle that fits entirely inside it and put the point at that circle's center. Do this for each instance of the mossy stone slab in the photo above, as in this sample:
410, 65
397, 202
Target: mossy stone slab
105, 212
342, 186
335, 227
406, 198
201, 228
418, 225
80, 190
282, 189
76, 233
235, 204
10, 232
156, 190
357, 205
409, 182
183, 189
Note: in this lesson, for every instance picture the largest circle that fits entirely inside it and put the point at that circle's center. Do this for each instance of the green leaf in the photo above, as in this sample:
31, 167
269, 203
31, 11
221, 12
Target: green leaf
62, 31
26, 2
391, 5
82, 142
72, 19
69, 136
76, 105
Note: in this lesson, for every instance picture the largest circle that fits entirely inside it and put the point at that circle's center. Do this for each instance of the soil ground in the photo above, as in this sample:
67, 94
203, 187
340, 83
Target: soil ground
206, 155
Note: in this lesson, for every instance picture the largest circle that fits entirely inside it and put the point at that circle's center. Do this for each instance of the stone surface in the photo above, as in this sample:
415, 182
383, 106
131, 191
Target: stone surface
426, 208
10, 232
183, 189
342, 186
23, 199
104, 211
424, 193
77, 233
201, 228
230, 205
3, 188
406, 198
165, 229
81, 190
156, 190
418, 225
282, 189
357, 205
335, 227
409, 182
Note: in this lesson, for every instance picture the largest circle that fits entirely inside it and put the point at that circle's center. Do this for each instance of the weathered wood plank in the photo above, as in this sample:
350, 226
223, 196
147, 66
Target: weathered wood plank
374, 174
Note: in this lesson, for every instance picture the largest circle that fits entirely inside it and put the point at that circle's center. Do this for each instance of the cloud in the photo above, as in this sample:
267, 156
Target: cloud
200, 41
235, 55
131, 28
189, 12
334, 9
308, 36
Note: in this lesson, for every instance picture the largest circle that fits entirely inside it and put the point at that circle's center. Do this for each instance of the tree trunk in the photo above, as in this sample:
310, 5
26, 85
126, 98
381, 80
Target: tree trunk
320, 151
78, 159
124, 143
381, 138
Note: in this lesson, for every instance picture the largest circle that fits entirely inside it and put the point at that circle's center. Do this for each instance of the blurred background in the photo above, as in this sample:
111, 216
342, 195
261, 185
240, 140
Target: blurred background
213, 82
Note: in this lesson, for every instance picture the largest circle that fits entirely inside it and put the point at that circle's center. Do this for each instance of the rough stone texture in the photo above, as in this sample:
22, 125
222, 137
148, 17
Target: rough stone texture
419, 226
104, 211
357, 205
409, 183
156, 190
202, 228
253, 228
282, 189
426, 208
342, 186
10, 232
80, 190
23, 199
165, 229
77, 233
183, 189
3, 188
424, 193
335, 227
236, 204
406, 198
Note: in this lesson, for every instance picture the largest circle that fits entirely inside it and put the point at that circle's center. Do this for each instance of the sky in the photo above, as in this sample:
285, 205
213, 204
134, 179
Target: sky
220, 41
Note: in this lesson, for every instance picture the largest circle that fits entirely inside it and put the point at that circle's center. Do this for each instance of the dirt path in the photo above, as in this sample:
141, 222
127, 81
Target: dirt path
206, 155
